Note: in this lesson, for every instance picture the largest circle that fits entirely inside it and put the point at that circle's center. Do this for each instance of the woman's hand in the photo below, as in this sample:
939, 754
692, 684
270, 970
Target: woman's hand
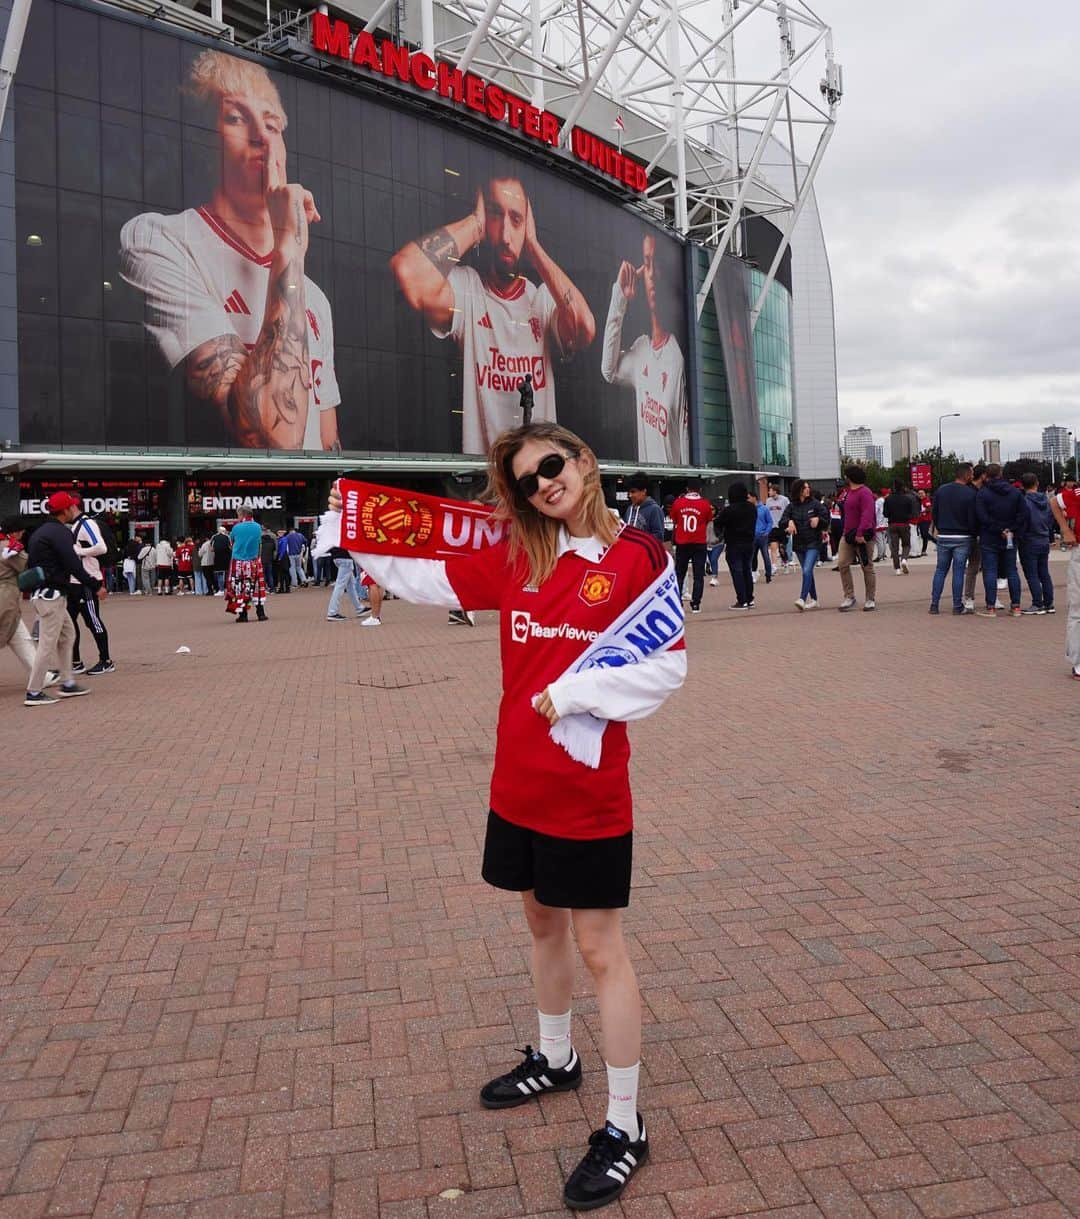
546, 707
335, 501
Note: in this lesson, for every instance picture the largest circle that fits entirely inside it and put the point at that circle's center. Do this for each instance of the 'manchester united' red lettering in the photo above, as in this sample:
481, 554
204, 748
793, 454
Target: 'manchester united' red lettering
385, 58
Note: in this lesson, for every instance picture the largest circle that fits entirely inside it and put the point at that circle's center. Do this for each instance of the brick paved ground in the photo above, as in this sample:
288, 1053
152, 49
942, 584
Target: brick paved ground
247, 967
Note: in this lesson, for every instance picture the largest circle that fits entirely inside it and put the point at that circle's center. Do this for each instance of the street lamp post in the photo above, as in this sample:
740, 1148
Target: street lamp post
940, 450
1064, 460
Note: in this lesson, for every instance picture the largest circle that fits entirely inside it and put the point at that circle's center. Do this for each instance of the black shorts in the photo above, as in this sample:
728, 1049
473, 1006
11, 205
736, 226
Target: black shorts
573, 873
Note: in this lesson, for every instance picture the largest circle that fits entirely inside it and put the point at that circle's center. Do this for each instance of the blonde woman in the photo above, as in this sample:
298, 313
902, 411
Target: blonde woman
228, 299
559, 832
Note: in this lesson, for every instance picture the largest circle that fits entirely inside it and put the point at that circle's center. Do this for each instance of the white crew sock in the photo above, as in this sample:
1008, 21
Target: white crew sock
555, 1038
622, 1086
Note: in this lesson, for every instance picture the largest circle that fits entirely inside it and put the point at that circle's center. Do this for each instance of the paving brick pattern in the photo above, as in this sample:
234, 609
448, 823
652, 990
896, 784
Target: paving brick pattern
248, 969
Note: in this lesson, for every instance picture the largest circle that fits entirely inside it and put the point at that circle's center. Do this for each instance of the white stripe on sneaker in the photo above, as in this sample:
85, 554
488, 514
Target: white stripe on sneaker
536, 1087
546, 1082
628, 1157
616, 1172
524, 1088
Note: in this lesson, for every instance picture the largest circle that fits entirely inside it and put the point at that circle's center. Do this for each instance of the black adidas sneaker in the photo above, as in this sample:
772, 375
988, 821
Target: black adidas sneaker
532, 1078
610, 1162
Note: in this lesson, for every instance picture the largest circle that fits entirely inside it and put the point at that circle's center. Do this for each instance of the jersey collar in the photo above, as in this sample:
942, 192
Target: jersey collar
218, 226
592, 550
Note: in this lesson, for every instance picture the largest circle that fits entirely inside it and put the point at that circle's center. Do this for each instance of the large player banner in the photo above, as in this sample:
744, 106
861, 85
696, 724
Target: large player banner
737, 342
215, 254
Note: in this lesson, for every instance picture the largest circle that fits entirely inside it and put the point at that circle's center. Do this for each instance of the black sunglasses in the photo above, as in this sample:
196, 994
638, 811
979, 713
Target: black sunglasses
550, 467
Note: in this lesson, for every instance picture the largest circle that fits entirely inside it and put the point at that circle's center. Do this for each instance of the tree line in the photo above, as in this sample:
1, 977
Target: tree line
943, 466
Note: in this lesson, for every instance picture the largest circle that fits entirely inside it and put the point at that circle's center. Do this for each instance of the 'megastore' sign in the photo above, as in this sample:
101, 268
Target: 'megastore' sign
333, 37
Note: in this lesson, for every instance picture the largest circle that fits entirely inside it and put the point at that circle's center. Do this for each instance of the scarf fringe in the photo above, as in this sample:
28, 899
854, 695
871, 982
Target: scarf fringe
582, 736
327, 535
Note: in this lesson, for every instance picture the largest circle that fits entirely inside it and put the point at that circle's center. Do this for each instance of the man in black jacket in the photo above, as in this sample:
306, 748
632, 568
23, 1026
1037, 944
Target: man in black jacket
52, 548
953, 514
222, 548
738, 521
974, 563
1003, 522
900, 510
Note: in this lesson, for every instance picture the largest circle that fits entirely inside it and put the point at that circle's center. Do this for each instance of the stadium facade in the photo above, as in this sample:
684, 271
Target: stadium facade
598, 199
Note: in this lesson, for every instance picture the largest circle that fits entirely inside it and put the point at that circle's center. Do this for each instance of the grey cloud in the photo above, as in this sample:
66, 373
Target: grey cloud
1027, 326
948, 197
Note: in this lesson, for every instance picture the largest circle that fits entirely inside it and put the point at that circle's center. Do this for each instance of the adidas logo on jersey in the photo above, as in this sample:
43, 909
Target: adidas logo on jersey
485, 321
235, 303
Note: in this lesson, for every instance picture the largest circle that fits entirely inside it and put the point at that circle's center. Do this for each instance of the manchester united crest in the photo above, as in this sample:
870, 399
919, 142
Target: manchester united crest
394, 519
596, 587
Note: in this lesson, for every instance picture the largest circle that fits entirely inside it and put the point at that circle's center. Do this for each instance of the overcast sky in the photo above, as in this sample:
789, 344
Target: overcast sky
950, 198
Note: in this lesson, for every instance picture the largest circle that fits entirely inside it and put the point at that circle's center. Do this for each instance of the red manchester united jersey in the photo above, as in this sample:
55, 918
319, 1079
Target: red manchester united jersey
691, 514
536, 784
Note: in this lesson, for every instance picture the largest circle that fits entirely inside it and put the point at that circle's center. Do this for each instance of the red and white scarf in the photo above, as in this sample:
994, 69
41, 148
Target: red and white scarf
406, 524
409, 524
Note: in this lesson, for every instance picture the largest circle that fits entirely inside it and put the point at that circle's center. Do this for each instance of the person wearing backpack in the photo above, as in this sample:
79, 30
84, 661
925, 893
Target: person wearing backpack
13, 632
83, 601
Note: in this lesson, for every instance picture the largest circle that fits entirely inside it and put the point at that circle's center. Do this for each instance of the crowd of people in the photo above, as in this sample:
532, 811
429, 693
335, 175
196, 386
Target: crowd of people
200, 566
978, 524
982, 528
72, 561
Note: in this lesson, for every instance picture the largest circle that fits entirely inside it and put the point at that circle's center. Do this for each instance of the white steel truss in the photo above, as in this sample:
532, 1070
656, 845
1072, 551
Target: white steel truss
710, 94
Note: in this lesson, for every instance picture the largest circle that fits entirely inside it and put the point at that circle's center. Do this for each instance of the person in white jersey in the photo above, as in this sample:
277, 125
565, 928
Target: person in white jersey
224, 284
652, 366
505, 325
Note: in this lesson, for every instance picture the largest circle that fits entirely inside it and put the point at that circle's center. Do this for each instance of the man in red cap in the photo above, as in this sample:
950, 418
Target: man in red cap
52, 548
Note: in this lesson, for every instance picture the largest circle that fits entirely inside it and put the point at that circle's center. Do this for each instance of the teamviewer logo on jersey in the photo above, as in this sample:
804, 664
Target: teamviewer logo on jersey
520, 625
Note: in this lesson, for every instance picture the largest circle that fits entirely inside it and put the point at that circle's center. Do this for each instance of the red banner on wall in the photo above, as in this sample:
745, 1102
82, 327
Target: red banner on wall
922, 476
332, 36
385, 520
